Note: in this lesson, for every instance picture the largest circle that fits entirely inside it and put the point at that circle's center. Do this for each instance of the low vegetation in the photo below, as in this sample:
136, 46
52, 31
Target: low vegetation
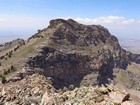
2, 78
2, 57
6, 72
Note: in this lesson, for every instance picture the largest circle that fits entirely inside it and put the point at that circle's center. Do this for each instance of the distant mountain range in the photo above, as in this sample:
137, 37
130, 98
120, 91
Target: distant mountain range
130, 44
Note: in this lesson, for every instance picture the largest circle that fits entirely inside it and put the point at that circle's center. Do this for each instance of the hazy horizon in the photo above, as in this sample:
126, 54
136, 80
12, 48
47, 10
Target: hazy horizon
22, 18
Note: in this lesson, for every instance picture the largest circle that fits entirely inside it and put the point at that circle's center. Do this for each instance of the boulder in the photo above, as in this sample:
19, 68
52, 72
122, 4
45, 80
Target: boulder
99, 98
103, 90
128, 103
47, 99
119, 97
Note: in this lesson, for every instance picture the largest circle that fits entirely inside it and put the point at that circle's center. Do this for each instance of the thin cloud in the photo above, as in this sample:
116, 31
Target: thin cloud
24, 22
117, 25
107, 20
2, 19
21, 25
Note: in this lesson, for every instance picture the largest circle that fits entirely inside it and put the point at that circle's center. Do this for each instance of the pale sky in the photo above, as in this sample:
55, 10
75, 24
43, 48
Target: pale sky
22, 18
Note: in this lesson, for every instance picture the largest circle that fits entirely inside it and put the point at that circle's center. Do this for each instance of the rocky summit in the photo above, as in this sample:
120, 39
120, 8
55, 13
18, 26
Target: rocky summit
36, 90
77, 54
64, 63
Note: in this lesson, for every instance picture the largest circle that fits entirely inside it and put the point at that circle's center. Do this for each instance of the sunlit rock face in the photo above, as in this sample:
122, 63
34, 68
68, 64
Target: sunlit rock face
78, 54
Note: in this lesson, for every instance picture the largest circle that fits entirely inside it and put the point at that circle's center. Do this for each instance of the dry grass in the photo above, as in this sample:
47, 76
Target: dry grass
124, 76
21, 54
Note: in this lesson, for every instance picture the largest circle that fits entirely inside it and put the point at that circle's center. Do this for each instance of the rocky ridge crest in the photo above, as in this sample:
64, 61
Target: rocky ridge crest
37, 90
75, 53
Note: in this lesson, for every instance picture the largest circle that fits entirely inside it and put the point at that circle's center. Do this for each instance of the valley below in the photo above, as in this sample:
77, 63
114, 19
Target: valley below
131, 45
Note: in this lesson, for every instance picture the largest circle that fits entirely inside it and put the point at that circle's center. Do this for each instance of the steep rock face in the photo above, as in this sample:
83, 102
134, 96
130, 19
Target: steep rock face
75, 53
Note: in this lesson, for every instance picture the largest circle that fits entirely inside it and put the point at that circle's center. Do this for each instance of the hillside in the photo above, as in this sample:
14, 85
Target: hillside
7, 52
68, 53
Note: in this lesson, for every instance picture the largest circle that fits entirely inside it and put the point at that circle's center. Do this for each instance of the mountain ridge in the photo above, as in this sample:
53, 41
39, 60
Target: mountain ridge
68, 53
70, 38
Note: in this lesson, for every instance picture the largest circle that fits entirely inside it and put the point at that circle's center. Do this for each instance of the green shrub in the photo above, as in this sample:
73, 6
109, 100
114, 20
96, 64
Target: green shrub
5, 72
6, 54
13, 68
11, 52
9, 56
3, 79
2, 57
15, 49
0, 75
8, 70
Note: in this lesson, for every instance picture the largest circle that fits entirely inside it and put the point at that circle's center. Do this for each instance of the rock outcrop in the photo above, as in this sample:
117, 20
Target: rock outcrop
110, 95
24, 92
37, 90
74, 53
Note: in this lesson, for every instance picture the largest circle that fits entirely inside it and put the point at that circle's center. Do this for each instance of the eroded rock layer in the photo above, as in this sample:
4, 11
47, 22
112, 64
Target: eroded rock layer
74, 53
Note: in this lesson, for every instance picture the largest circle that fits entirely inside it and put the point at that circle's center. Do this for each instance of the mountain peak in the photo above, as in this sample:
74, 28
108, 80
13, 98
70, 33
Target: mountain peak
62, 21
78, 50
56, 22
69, 54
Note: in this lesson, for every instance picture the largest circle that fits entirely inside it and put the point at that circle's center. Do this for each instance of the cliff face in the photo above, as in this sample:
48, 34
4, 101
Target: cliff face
77, 54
